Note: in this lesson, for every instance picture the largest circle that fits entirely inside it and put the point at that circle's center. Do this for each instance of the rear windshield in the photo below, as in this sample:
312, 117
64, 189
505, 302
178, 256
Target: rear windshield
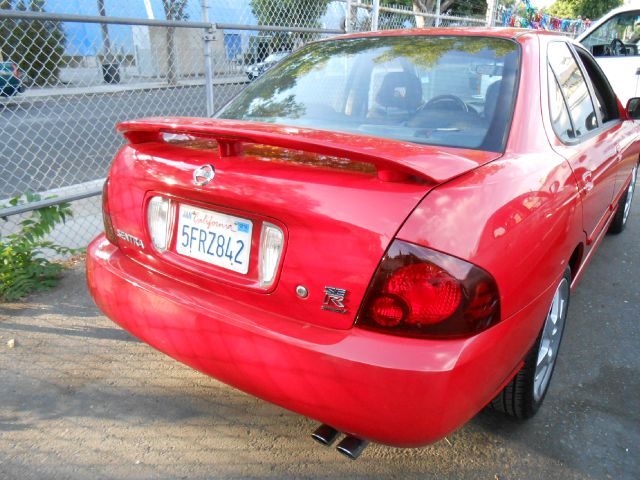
451, 90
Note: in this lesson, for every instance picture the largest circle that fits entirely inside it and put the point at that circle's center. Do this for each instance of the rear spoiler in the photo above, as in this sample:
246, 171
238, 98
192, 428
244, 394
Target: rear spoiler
394, 160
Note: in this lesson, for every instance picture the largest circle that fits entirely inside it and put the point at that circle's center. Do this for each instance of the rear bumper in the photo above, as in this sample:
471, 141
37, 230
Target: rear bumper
397, 391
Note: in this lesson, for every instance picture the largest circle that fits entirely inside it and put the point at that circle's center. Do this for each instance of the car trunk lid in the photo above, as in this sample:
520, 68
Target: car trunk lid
338, 198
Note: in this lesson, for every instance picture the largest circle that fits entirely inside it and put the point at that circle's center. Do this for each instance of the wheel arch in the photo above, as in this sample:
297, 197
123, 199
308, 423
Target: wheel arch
575, 260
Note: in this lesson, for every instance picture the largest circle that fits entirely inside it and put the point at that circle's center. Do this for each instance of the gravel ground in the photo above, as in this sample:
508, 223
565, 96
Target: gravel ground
80, 398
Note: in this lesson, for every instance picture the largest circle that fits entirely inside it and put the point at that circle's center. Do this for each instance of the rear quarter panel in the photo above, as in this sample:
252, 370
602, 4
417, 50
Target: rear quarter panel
518, 217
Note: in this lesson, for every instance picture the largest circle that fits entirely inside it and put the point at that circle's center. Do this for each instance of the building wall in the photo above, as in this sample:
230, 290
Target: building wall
151, 55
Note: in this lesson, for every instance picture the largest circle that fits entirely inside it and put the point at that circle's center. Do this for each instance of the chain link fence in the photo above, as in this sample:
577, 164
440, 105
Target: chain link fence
364, 16
66, 80
75, 78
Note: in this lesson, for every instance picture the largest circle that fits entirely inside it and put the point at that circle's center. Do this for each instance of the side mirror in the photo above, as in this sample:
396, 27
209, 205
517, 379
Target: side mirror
633, 108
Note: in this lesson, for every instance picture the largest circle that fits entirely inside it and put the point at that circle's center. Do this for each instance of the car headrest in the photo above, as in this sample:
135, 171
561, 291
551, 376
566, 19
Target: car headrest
600, 50
401, 90
491, 99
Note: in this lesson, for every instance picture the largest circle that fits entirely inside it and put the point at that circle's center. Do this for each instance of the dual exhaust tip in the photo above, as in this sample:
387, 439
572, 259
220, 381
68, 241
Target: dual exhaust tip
349, 446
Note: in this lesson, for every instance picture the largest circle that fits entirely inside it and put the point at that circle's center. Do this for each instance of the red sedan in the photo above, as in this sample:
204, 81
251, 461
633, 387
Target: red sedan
380, 233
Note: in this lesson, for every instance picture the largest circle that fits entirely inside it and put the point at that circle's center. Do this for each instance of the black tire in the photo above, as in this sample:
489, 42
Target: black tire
622, 213
518, 399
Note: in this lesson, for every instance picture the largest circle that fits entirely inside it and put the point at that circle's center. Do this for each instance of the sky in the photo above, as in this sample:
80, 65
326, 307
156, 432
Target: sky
541, 3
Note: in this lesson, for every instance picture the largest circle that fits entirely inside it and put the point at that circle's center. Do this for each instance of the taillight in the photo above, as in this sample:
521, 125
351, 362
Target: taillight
158, 220
271, 244
106, 216
419, 292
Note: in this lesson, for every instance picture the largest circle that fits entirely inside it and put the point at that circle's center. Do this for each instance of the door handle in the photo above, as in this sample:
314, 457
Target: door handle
587, 184
618, 148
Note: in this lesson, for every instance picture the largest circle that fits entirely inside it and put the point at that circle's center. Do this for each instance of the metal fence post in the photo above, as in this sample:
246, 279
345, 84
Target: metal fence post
491, 13
438, 13
347, 18
208, 38
375, 12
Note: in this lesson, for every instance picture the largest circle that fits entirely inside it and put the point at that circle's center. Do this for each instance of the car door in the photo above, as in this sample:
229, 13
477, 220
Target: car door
619, 61
585, 138
624, 133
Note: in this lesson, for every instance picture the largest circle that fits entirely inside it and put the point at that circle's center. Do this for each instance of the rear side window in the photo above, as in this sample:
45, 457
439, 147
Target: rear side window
574, 88
558, 110
604, 97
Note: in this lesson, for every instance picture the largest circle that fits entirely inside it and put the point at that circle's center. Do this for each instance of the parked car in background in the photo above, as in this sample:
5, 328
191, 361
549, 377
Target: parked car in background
614, 41
381, 234
255, 70
10, 82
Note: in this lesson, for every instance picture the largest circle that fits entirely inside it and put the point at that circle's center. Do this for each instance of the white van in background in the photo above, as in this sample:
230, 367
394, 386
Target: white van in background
614, 41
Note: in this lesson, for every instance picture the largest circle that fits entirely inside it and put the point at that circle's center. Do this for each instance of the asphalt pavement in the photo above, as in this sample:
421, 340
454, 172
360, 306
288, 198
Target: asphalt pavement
61, 140
80, 398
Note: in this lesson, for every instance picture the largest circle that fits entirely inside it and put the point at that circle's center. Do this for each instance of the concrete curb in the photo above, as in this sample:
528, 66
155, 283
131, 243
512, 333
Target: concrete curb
61, 193
32, 96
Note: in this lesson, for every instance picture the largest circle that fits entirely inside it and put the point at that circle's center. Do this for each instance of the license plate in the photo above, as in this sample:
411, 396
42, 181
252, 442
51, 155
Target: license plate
213, 237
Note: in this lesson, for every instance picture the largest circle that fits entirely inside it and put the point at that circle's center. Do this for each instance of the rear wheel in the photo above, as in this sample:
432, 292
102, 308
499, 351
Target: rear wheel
624, 206
524, 395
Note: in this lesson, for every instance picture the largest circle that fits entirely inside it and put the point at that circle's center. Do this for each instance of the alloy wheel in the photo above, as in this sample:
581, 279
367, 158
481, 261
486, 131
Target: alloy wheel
550, 340
630, 190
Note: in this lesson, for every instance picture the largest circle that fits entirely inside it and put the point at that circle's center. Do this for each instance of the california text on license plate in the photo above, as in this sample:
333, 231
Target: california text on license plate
216, 238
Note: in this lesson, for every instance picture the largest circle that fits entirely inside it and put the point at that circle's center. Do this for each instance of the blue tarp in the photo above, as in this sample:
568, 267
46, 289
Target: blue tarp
86, 39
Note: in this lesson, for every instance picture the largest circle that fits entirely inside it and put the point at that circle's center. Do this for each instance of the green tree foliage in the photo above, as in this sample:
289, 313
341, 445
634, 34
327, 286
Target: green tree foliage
286, 13
468, 8
36, 46
564, 8
447, 7
23, 266
597, 8
175, 9
592, 9
289, 13
451, 7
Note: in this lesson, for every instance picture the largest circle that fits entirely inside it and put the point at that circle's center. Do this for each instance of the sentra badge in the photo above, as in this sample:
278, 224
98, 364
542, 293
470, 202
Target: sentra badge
334, 299
127, 237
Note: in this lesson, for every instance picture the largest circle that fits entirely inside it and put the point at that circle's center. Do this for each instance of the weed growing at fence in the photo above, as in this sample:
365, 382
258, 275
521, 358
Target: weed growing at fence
23, 266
